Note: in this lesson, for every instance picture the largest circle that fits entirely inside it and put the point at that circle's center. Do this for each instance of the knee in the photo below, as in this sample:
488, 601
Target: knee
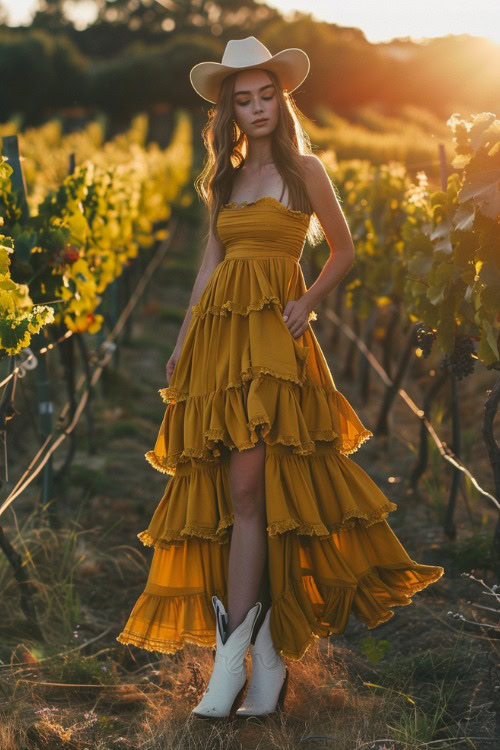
247, 481
248, 501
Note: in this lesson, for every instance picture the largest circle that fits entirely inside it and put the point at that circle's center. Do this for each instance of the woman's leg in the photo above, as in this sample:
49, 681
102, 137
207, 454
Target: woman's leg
248, 580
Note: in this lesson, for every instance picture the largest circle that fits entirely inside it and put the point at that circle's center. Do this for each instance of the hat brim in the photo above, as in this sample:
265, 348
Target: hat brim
291, 65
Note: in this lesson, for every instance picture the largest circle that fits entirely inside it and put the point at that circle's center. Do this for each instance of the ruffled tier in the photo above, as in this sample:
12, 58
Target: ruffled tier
243, 283
315, 585
261, 380
318, 495
251, 339
284, 413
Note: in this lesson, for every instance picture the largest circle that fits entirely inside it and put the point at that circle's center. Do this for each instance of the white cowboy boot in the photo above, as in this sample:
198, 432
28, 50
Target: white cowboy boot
228, 680
269, 680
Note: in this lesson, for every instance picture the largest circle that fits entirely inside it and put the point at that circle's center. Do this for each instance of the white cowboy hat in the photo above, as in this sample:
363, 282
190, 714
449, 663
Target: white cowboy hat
292, 66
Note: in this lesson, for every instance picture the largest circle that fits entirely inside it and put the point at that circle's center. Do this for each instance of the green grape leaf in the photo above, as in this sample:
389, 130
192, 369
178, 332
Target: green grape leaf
8, 285
435, 294
464, 217
461, 160
490, 276
420, 266
441, 233
373, 649
478, 133
445, 337
490, 298
483, 187
465, 249
492, 337
485, 351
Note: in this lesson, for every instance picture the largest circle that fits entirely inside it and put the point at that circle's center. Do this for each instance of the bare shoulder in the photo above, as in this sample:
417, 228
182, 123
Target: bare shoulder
312, 167
309, 160
325, 204
318, 184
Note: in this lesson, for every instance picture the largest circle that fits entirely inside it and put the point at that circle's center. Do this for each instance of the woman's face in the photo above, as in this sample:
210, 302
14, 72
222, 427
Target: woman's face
255, 98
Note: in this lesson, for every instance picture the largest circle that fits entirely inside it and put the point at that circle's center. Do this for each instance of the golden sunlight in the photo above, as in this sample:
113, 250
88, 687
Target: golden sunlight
379, 23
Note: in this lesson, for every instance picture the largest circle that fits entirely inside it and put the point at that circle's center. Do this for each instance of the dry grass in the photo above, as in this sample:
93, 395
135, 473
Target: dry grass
335, 699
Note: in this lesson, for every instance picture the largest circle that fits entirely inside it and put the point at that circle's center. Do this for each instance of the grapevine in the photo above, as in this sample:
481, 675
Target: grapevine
462, 360
425, 338
84, 231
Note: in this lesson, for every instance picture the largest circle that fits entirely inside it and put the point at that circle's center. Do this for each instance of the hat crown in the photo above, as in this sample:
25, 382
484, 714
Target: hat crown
240, 53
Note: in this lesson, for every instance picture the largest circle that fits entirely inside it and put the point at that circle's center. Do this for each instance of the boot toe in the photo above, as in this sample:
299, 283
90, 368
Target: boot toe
219, 707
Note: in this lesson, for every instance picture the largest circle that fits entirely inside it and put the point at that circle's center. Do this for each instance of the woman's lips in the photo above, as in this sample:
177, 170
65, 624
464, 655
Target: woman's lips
260, 122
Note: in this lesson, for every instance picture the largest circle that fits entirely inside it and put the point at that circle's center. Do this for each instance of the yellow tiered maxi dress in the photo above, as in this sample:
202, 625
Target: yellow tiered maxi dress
241, 372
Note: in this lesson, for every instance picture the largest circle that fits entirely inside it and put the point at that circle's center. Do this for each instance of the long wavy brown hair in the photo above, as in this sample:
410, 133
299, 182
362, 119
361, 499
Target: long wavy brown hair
227, 146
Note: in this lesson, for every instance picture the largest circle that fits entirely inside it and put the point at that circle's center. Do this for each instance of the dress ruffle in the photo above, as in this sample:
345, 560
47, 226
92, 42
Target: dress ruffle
316, 583
319, 496
194, 426
262, 379
241, 376
234, 307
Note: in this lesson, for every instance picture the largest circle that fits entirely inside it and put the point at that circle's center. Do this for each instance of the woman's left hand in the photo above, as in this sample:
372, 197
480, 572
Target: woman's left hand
296, 316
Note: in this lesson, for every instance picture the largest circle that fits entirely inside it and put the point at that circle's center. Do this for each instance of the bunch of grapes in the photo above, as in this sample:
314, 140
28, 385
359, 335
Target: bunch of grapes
461, 362
425, 337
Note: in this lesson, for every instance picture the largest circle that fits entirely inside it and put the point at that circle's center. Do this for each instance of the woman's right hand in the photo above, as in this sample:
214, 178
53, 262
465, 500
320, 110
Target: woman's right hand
171, 364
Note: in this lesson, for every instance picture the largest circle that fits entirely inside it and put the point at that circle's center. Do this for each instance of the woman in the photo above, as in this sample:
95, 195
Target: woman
265, 516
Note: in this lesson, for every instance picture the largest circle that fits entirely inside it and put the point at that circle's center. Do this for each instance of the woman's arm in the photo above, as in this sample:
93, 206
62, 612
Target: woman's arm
213, 255
326, 207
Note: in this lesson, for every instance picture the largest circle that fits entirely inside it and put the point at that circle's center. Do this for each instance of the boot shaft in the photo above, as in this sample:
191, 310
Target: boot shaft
232, 649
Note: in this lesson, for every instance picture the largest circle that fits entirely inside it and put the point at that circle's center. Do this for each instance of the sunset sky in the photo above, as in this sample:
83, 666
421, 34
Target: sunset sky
380, 21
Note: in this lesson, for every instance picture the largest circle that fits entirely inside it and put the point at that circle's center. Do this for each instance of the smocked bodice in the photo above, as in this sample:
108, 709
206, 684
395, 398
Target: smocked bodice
262, 227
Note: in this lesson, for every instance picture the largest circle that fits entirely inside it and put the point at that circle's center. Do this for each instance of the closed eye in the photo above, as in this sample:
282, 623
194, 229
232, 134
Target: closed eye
266, 98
